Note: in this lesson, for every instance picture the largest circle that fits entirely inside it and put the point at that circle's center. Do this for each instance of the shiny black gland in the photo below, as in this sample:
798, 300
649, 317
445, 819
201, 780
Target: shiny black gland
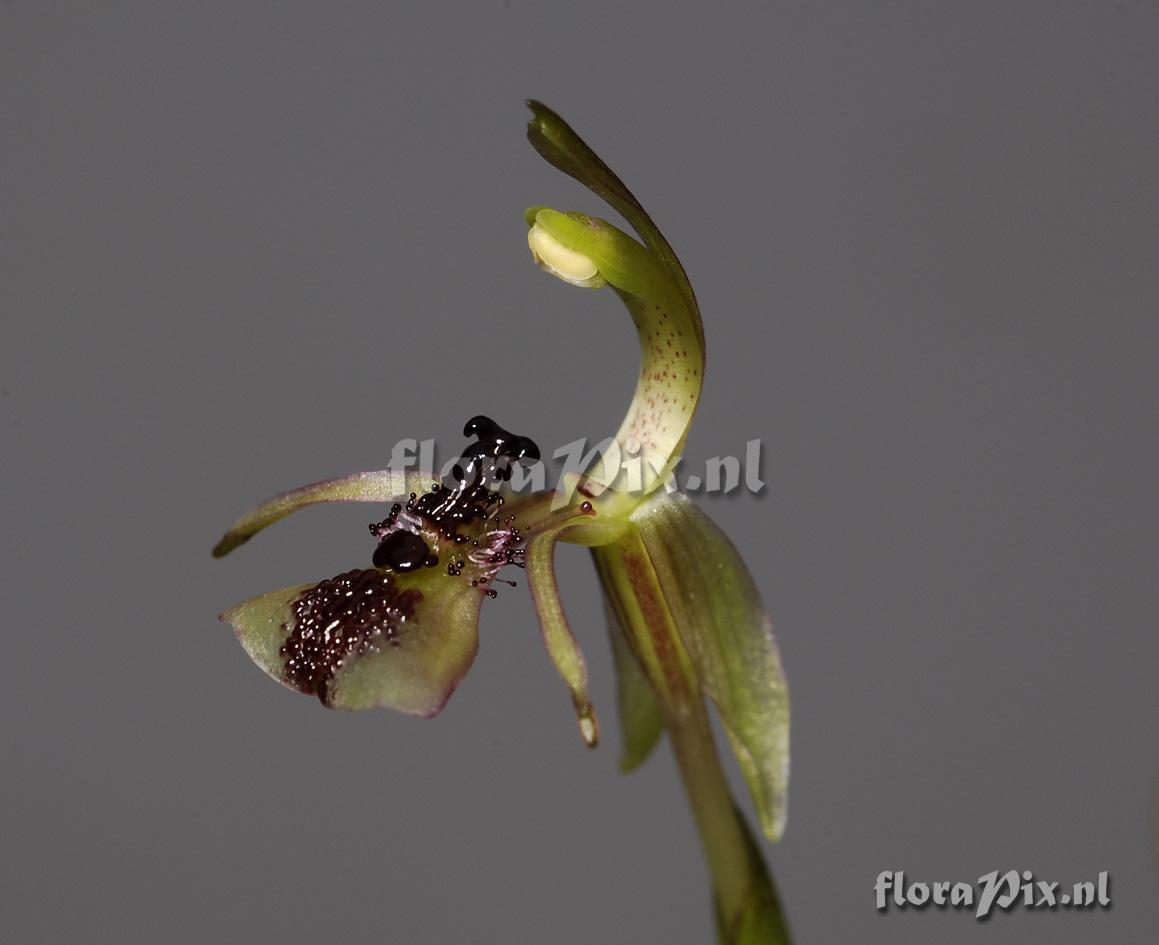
493, 454
401, 551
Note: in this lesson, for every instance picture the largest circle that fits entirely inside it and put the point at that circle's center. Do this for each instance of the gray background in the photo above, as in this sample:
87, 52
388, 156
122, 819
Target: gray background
247, 246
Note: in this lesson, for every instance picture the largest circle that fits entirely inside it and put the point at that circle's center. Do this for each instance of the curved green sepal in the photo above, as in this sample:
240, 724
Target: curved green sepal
382, 485
413, 657
588, 251
557, 636
641, 720
561, 147
649, 279
718, 612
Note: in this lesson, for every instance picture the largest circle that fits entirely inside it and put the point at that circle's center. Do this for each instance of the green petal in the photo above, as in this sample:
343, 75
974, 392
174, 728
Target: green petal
406, 640
719, 614
383, 485
641, 720
561, 643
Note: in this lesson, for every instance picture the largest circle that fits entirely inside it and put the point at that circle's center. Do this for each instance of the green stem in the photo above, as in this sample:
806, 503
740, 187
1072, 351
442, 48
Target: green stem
747, 909
747, 906
721, 834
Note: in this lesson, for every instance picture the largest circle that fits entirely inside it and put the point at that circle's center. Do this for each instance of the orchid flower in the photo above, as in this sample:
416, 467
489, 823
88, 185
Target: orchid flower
685, 619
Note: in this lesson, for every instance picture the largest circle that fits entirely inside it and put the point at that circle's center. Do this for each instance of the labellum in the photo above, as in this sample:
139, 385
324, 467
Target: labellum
403, 633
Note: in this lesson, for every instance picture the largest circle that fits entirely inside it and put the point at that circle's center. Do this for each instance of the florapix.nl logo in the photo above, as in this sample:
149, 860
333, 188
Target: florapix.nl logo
623, 466
1012, 889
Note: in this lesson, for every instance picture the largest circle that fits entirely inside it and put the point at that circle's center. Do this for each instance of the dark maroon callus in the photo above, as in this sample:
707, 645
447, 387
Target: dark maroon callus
401, 551
493, 454
342, 618
450, 510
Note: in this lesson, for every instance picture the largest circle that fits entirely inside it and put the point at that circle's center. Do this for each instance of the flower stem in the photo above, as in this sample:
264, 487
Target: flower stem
747, 908
721, 835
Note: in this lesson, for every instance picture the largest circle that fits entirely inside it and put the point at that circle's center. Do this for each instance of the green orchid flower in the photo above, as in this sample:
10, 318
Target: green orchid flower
685, 619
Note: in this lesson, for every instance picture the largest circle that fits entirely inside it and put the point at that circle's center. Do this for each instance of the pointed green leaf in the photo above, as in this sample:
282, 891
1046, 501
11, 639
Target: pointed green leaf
383, 485
561, 643
366, 638
718, 611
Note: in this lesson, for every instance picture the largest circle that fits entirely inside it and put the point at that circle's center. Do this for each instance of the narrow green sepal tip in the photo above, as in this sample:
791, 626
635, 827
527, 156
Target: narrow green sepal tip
227, 544
382, 485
